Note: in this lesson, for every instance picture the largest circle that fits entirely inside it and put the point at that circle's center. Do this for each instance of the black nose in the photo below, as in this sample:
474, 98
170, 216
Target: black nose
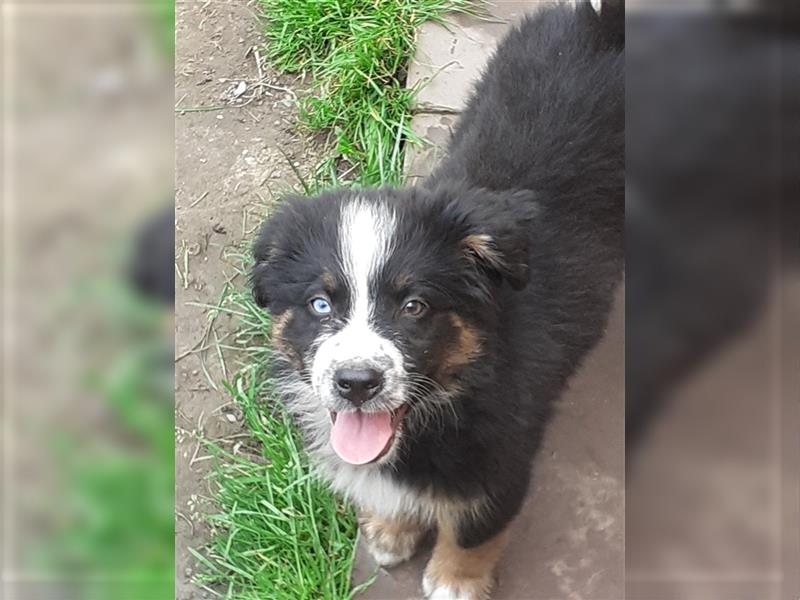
358, 385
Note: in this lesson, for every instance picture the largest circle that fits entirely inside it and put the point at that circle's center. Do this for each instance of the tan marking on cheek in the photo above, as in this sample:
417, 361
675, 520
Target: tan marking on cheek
391, 541
279, 323
279, 341
466, 348
465, 572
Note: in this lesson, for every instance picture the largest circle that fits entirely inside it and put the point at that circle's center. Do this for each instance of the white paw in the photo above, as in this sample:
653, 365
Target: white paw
456, 589
387, 546
440, 592
386, 559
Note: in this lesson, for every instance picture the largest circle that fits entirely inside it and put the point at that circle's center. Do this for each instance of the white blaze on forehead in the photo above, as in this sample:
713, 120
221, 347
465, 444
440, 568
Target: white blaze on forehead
365, 239
366, 232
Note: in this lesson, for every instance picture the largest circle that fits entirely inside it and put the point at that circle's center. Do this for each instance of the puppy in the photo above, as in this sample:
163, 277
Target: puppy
421, 335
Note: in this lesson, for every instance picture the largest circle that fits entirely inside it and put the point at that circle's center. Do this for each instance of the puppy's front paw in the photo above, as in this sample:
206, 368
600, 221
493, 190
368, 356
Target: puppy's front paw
458, 573
390, 541
437, 587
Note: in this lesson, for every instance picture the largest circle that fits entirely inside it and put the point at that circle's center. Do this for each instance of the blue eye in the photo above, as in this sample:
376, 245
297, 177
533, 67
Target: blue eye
321, 306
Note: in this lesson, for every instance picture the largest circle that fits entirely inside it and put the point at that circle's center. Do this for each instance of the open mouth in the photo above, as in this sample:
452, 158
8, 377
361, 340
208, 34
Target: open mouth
360, 438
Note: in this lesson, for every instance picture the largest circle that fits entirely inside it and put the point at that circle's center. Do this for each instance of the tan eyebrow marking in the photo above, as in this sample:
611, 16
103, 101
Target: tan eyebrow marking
402, 281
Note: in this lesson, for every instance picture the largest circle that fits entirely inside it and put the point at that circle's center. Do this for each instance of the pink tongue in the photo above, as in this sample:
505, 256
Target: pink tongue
359, 438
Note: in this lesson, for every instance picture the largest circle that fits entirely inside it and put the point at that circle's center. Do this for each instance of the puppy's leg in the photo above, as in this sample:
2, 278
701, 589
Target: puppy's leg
458, 573
390, 541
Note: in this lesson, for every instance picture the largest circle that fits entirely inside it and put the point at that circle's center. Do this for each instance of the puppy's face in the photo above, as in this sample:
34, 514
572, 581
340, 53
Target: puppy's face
380, 299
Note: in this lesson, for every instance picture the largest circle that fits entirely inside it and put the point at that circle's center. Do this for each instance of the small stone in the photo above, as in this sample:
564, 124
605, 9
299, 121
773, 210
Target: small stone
240, 89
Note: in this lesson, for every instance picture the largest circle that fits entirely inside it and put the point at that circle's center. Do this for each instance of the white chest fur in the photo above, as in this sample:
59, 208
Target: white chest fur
370, 489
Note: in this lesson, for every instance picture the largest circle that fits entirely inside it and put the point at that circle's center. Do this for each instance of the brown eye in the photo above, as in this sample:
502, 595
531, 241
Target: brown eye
414, 308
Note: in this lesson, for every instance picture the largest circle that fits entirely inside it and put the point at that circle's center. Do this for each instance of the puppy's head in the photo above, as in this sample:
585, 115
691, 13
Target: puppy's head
380, 300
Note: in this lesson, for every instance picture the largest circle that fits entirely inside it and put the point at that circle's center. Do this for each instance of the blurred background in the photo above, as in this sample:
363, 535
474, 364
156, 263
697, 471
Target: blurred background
712, 133
87, 487
713, 294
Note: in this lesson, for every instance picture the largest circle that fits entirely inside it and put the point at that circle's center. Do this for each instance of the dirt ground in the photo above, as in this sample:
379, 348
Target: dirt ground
228, 165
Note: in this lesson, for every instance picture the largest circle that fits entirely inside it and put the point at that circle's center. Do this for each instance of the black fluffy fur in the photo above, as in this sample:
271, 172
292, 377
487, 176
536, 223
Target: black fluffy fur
537, 163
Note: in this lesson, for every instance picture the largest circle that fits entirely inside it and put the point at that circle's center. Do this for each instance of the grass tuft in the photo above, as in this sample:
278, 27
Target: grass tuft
281, 533
357, 52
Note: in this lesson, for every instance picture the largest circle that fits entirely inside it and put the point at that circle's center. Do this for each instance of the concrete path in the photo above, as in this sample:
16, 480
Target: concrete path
568, 541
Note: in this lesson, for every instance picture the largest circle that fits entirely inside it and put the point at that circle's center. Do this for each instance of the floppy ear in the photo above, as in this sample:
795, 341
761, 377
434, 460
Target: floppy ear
484, 251
265, 253
272, 246
497, 232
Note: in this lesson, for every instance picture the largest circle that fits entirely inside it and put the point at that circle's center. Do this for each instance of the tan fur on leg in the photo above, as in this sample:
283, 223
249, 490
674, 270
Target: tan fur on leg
456, 573
390, 541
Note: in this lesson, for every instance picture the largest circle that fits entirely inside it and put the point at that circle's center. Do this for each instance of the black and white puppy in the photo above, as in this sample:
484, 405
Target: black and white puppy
421, 335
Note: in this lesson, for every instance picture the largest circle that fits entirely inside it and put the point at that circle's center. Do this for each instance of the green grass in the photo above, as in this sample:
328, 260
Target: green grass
356, 52
278, 533
162, 17
282, 534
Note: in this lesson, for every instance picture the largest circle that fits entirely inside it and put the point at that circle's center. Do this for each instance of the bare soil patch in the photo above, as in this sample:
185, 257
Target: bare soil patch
230, 164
